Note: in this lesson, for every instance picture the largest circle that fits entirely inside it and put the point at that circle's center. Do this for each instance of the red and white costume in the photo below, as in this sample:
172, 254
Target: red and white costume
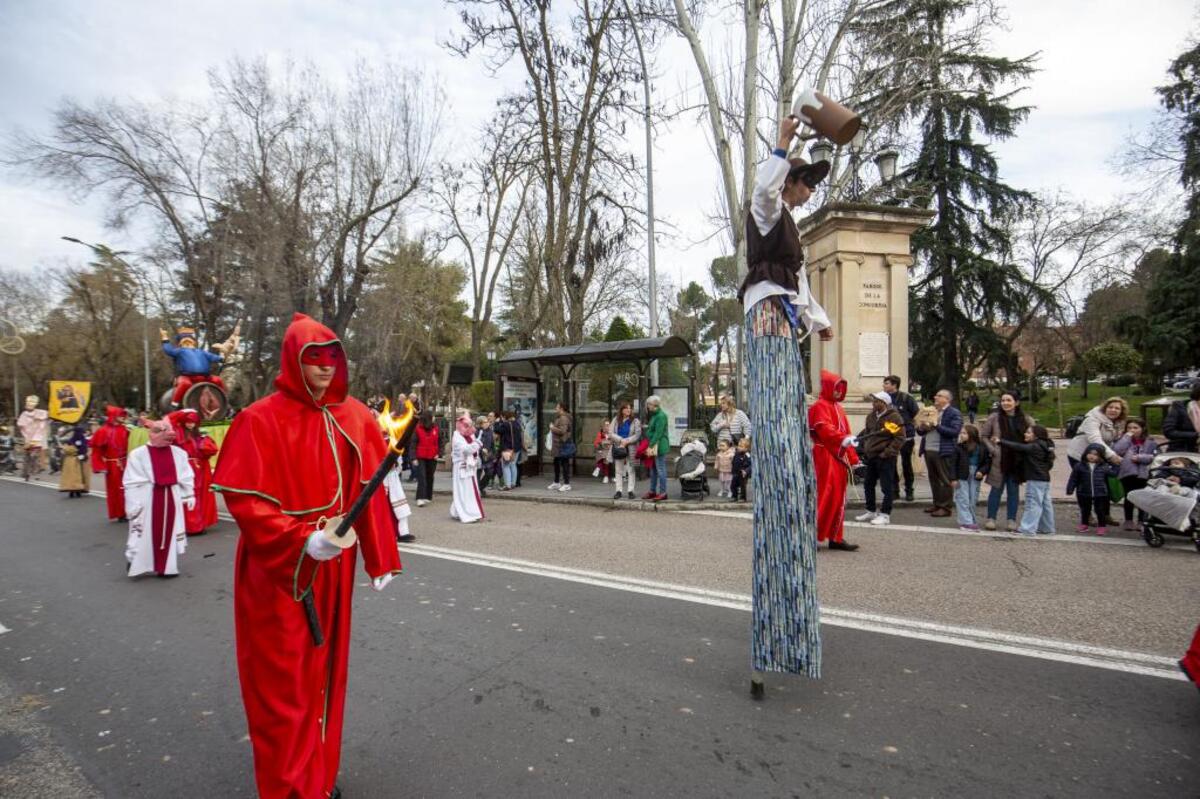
200, 449
467, 507
832, 456
289, 461
158, 489
110, 449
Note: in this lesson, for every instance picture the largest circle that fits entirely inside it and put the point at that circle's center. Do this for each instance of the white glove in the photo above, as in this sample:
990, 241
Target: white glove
849, 441
319, 548
189, 503
380, 582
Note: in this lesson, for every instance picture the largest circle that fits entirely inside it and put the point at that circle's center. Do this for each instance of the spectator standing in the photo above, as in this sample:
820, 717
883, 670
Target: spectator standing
882, 438
937, 447
907, 407
1007, 423
1038, 460
1137, 450
724, 463
624, 432
972, 406
507, 442
1182, 423
489, 458
972, 461
603, 449
562, 448
741, 471
658, 439
1089, 484
427, 451
1101, 426
731, 423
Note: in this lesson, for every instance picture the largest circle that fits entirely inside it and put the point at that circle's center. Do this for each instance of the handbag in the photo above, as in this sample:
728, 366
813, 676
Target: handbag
1116, 489
619, 453
566, 449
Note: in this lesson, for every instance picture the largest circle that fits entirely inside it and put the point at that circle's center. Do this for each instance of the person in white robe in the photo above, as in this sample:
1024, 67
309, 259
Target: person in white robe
159, 485
401, 510
467, 507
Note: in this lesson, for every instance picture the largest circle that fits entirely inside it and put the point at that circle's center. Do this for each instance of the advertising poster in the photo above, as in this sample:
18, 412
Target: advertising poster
520, 397
69, 400
676, 400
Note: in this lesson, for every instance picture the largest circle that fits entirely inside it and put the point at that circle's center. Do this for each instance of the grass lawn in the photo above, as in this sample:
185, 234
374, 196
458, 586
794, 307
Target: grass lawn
1045, 410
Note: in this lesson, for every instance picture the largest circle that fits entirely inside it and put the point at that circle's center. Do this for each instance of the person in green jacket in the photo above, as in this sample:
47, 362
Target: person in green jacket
659, 438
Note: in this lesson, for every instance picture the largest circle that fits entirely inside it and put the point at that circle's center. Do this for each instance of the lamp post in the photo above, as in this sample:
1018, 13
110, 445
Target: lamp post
885, 162
104, 252
637, 38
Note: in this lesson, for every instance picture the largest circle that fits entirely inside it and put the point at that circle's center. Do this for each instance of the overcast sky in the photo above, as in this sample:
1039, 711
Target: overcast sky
1100, 61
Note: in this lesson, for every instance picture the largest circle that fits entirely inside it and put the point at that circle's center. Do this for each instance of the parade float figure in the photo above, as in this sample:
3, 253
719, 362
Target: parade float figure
110, 449
200, 449
779, 310
834, 456
76, 479
158, 491
34, 424
194, 366
291, 465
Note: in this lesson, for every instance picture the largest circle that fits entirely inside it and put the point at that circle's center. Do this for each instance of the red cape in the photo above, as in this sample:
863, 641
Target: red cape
109, 447
287, 461
829, 427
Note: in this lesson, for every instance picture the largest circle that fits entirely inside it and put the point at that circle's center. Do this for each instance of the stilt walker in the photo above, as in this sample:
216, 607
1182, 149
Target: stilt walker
291, 465
779, 309
833, 458
110, 450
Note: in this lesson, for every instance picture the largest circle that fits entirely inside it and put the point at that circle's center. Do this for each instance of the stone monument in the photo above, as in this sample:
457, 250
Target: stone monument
858, 257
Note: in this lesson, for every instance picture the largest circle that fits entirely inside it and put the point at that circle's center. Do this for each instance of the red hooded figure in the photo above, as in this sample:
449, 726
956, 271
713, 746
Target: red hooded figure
110, 448
832, 458
200, 449
289, 462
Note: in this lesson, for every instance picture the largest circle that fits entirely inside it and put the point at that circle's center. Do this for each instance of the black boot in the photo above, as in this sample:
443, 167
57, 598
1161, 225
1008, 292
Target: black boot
336, 793
842, 545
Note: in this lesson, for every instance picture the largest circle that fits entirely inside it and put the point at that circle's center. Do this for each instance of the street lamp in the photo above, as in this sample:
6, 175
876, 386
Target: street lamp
885, 162
821, 151
104, 252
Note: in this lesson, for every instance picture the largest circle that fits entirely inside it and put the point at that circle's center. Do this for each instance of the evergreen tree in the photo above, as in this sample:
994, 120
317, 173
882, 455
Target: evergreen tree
959, 97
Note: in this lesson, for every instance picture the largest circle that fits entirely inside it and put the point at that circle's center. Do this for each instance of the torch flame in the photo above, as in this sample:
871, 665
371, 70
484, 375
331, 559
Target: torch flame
397, 428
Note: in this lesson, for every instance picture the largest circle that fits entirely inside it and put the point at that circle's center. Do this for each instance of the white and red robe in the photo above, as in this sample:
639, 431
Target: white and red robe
467, 507
157, 481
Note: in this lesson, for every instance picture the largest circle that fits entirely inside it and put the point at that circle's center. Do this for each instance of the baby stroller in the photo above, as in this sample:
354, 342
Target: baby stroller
1172, 498
690, 469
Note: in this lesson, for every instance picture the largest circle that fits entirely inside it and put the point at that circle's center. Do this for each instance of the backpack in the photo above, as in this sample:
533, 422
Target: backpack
1072, 428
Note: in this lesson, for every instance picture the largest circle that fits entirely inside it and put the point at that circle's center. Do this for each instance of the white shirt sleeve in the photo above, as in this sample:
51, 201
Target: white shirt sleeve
766, 202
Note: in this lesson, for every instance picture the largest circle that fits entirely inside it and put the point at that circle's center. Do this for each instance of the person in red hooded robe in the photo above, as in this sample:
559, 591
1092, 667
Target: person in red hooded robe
110, 450
833, 458
291, 464
1190, 663
200, 449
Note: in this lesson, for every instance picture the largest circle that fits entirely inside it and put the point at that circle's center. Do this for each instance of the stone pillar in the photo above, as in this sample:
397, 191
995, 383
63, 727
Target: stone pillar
858, 257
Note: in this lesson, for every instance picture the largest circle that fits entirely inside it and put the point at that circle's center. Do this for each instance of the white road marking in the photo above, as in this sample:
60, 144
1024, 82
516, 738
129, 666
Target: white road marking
975, 638
4, 630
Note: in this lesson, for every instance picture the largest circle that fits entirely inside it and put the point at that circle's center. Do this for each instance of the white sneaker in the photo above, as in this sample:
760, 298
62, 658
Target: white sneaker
865, 517
552, 487
881, 519
565, 487
596, 472
422, 503
605, 480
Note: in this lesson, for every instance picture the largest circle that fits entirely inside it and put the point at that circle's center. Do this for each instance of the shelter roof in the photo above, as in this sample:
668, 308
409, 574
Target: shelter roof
630, 351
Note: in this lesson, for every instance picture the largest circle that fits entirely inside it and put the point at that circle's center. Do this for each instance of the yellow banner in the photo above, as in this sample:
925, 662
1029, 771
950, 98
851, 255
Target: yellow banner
69, 400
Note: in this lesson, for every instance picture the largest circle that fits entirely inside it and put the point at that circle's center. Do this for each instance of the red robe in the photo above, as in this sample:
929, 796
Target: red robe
829, 427
287, 461
200, 449
110, 447
1191, 659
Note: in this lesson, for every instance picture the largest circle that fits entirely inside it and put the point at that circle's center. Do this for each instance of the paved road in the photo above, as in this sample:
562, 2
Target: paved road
472, 681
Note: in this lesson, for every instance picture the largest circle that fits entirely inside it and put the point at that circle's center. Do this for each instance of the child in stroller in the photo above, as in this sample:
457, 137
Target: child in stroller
1171, 497
690, 469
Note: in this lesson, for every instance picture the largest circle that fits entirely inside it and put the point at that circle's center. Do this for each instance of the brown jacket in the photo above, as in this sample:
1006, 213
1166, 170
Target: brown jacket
883, 434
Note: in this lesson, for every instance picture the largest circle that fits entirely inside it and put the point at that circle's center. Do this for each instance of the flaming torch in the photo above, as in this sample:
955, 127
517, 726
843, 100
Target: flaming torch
399, 430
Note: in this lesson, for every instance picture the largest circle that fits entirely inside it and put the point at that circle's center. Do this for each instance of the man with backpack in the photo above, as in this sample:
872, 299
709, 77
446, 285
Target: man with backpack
908, 408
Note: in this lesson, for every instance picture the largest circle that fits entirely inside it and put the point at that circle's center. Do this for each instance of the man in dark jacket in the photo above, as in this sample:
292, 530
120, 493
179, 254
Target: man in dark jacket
1179, 427
937, 447
881, 439
908, 408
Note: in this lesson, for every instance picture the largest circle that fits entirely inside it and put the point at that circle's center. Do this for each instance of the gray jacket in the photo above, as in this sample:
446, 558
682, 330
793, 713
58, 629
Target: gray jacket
739, 426
630, 441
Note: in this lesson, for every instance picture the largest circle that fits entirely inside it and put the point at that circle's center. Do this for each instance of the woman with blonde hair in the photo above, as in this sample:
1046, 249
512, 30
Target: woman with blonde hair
1102, 425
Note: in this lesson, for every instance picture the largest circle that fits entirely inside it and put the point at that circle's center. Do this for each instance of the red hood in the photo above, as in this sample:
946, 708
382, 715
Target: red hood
833, 387
112, 413
302, 333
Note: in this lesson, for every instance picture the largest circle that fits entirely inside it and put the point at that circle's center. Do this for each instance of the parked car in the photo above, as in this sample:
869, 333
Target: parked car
1187, 384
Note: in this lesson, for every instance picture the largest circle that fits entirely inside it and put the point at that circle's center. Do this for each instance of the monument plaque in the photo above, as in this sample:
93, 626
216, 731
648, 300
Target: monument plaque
873, 354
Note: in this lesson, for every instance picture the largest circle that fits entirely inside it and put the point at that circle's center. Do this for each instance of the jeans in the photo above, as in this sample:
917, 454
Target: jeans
965, 497
883, 472
658, 476
562, 470
509, 471
1014, 496
1039, 510
625, 473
